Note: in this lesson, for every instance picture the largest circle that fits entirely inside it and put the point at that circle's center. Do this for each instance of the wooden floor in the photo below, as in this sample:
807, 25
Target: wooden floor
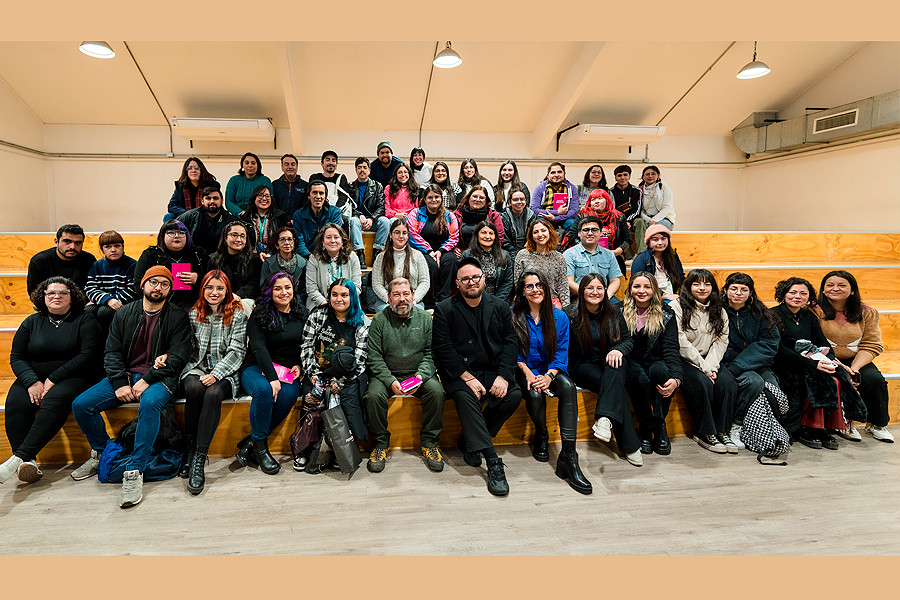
690, 503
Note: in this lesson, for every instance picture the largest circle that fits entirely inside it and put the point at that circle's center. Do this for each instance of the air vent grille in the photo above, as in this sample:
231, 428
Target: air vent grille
836, 121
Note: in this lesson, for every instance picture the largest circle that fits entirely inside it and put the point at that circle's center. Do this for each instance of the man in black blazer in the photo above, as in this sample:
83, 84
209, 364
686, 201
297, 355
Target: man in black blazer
474, 347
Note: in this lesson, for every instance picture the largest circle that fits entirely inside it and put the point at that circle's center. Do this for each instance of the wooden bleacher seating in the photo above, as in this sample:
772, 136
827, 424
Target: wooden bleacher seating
766, 256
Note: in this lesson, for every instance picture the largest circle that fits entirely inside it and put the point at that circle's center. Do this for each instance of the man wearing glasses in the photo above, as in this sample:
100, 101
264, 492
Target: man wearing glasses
66, 259
475, 349
590, 257
140, 332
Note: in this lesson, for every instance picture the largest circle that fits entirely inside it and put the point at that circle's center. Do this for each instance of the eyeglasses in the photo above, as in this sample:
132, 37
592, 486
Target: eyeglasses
238, 236
474, 279
590, 230
173, 234
530, 287
62, 294
267, 196
155, 283
285, 240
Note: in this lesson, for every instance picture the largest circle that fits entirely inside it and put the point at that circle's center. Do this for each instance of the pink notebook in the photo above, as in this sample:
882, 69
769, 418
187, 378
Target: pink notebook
408, 384
176, 269
560, 201
284, 374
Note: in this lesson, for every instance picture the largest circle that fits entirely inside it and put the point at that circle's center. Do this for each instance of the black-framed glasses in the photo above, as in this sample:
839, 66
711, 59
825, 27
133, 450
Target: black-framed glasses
471, 279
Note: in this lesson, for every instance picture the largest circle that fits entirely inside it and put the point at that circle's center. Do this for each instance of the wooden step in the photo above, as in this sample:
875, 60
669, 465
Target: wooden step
16, 249
710, 247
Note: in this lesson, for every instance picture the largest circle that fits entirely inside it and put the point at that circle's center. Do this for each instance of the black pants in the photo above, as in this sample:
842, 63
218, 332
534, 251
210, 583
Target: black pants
536, 404
442, 276
104, 315
481, 419
650, 407
203, 409
30, 427
874, 393
612, 403
711, 404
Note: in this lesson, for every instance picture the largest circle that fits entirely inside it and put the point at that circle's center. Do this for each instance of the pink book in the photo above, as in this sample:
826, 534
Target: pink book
176, 269
408, 384
560, 201
284, 374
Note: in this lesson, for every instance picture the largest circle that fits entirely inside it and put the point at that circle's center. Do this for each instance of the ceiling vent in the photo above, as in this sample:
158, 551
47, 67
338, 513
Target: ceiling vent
848, 118
224, 130
612, 135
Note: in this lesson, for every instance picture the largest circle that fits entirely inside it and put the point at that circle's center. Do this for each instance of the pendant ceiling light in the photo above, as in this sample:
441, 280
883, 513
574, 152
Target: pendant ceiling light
754, 69
447, 58
97, 49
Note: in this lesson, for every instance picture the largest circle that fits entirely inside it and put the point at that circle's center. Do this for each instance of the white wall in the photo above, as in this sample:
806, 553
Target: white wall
23, 194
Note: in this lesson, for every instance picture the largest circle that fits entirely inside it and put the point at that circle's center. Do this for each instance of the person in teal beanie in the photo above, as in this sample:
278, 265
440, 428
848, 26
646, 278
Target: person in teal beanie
240, 187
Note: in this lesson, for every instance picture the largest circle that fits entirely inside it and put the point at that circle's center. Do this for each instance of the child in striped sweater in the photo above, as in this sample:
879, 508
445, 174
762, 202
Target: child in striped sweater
110, 282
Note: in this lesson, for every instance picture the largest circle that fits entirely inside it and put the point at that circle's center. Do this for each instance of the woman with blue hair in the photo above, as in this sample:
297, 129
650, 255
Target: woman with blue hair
333, 353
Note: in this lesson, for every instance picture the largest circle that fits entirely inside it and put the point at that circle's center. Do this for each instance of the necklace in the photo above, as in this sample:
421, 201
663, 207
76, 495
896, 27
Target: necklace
56, 322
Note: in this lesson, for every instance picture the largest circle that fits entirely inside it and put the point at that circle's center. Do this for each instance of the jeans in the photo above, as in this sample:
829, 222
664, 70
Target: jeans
267, 413
356, 234
381, 225
87, 408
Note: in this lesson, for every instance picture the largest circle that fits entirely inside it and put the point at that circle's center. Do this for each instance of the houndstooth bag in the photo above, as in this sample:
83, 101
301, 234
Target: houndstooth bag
761, 431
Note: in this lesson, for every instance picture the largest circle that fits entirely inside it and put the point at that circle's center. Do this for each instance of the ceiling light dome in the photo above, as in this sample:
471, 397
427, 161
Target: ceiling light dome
447, 58
754, 69
97, 49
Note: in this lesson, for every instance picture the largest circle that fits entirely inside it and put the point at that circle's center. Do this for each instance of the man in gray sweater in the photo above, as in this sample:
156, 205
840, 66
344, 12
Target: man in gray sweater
400, 349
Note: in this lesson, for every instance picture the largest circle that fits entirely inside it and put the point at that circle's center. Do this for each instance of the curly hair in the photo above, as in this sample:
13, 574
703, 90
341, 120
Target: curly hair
76, 296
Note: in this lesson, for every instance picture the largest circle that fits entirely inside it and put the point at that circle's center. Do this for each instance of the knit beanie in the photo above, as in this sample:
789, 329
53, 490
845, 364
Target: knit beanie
157, 271
654, 229
384, 144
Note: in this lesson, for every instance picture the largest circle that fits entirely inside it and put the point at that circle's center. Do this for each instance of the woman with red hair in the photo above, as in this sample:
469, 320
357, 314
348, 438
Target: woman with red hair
219, 324
614, 233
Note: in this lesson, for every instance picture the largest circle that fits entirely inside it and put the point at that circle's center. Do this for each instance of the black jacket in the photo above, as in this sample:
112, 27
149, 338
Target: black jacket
511, 242
752, 342
372, 204
454, 334
154, 255
172, 336
627, 201
504, 276
661, 347
198, 220
288, 197
577, 354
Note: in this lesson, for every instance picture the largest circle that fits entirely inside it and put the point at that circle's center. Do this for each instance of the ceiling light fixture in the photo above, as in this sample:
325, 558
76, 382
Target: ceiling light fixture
97, 49
447, 58
754, 69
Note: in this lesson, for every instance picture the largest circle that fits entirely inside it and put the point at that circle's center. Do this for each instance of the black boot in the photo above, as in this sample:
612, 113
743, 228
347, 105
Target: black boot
661, 444
567, 468
362, 258
267, 464
245, 453
541, 449
190, 447
645, 433
197, 477
312, 462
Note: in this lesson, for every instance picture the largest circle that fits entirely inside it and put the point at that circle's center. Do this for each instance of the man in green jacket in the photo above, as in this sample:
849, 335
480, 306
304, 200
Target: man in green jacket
400, 348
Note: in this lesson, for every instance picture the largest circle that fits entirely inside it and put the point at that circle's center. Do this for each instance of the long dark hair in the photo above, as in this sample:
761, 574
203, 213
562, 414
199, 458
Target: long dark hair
265, 314
521, 309
669, 261
476, 178
514, 184
206, 178
756, 307
500, 256
411, 185
689, 304
258, 164
607, 316
853, 308
387, 257
241, 260
321, 253
587, 177
440, 221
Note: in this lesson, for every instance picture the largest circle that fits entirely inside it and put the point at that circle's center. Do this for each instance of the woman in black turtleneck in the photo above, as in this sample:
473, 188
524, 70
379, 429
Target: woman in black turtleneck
236, 259
174, 246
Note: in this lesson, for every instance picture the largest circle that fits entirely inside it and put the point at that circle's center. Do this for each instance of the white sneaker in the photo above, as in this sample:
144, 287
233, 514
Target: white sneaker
736, 436
29, 472
9, 468
603, 429
850, 433
132, 488
880, 433
89, 468
635, 458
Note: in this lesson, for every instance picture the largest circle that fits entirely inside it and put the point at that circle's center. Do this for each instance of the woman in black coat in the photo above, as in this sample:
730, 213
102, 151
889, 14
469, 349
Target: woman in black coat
236, 259
55, 356
174, 246
654, 365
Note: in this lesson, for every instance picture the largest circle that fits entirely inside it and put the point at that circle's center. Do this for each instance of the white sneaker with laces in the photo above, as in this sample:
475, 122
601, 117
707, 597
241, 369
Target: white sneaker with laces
132, 488
603, 429
9, 468
850, 433
89, 468
736, 436
880, 433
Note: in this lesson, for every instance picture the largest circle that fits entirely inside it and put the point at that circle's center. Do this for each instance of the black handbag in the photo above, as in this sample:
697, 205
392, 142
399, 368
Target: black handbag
341, 439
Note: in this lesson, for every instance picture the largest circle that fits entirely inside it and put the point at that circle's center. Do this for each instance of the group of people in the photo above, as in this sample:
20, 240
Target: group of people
250, 298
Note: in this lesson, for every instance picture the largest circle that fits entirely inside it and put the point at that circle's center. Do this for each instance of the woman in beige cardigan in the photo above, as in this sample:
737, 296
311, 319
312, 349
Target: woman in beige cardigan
709, 391
851, 328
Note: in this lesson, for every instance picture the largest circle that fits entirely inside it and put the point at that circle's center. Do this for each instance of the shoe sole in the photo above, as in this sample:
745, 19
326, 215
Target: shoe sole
375, 469
580, 490
83, 477
435, 468
731, 449
814, 445
634, 463
880, 439
29, 473
601, 436
130, 503
499, 492
195, 491
847, 437
831, 446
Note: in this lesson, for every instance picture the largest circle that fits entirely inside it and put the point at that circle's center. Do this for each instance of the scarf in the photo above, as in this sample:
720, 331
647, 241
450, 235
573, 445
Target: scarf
288, 266
555, 188
471, 216
191, 198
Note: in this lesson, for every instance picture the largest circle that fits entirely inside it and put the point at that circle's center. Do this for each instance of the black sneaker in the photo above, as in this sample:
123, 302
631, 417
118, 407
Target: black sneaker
711, 443
827, 440
497, 484
809, 437
473, 459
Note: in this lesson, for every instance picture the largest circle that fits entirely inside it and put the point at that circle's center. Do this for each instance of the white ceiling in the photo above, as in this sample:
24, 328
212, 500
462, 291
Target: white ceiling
500, 87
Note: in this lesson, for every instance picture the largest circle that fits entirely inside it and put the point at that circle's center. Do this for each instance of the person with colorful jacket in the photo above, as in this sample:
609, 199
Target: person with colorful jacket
545, 194
434, 231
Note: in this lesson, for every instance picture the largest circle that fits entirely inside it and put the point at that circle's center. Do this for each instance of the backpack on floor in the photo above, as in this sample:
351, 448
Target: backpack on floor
761, 432
165, 457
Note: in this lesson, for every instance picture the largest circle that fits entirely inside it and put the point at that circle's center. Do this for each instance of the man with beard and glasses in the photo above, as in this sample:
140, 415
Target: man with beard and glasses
400, 349
140, 332
67, 259
475, 348
207, 222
